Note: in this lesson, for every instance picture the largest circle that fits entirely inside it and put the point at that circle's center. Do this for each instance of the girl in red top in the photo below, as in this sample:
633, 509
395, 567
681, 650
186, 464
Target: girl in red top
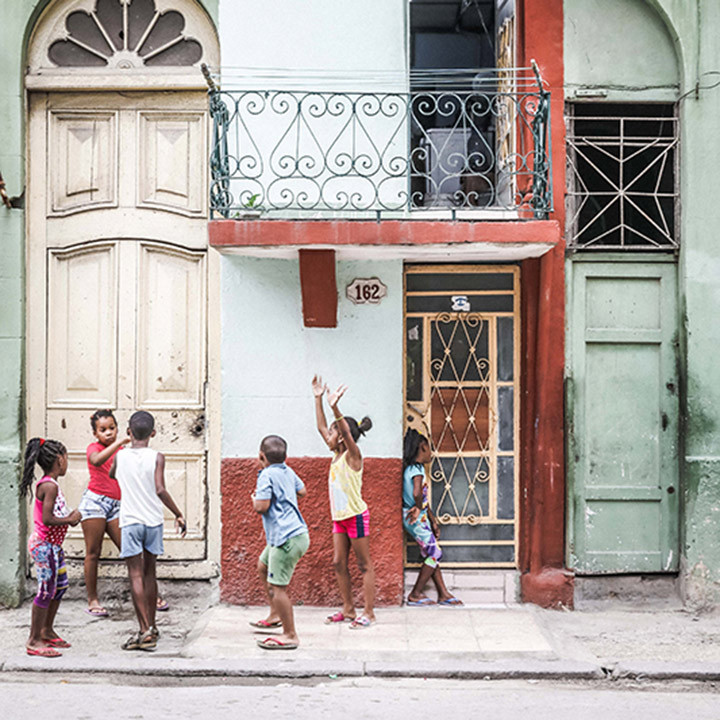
51, 517
100, 504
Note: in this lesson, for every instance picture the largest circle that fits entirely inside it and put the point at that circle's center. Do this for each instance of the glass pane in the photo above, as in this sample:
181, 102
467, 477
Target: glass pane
506, 488
414, 359
505, 349
506, 424
444, 303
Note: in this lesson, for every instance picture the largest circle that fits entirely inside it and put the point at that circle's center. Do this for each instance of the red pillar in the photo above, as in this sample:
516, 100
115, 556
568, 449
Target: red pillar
543, 578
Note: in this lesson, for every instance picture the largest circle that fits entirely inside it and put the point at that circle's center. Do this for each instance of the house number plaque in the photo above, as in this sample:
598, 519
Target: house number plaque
366, 290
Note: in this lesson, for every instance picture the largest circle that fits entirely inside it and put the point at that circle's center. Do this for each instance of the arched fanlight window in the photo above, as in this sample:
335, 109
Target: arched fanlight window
96, 37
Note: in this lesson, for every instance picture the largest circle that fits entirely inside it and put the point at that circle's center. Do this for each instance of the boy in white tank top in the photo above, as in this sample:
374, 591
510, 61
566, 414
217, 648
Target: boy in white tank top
140, 472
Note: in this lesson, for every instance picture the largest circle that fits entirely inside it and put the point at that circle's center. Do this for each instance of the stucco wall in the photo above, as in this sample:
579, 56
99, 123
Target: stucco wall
314, 580
269, 358
621, 47
332, 36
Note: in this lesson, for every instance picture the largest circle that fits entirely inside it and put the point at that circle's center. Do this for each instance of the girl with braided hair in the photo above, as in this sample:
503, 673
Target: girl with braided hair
420, 522
51, 518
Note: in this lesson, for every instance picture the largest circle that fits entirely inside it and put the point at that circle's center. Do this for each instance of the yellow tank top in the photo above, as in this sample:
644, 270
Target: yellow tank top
345, 486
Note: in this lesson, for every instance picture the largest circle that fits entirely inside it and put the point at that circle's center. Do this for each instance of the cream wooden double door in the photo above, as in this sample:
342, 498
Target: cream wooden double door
117, 294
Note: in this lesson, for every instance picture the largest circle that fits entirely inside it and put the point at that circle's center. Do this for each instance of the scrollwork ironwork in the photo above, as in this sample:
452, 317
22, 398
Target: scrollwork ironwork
300, 151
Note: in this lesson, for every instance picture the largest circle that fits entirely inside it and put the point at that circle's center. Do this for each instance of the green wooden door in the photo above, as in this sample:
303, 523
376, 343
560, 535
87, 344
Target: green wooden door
623, 418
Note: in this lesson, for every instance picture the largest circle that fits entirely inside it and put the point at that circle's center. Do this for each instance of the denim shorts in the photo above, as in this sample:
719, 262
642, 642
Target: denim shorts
93, 505
137, 537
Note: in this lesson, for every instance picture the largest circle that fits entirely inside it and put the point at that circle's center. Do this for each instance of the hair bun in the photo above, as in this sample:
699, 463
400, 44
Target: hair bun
365, 425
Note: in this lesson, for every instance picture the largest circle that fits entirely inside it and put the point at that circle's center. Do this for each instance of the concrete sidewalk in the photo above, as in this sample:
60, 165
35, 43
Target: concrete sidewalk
472, 642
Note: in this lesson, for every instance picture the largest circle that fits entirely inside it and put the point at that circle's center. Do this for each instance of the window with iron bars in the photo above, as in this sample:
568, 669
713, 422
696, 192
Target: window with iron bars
622, 191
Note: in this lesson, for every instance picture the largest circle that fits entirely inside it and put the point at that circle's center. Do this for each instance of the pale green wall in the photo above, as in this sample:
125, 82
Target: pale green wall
593, 55
17, 19
619, 47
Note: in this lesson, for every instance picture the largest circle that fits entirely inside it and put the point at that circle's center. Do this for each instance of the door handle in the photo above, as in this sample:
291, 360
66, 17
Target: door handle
664, 421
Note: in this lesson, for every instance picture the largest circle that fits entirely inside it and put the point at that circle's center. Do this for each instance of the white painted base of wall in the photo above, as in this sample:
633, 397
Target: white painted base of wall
475, 587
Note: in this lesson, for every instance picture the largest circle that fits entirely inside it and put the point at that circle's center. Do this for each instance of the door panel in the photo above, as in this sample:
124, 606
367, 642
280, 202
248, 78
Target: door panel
172, 152
83, 160
171, 327
82, 326
624, 418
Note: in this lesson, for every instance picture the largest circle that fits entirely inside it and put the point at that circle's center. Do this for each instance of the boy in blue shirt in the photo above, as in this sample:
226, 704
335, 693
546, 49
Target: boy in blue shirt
275, 498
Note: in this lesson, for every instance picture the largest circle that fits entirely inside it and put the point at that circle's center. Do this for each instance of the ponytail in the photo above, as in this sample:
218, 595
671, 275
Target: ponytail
42, 452
356, 430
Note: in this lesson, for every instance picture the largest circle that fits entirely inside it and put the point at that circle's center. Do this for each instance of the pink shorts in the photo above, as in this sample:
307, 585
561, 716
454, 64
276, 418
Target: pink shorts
354, 527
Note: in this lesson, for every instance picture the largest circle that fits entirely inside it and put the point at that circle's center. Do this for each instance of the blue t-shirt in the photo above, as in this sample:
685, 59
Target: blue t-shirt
282, 521
412, 471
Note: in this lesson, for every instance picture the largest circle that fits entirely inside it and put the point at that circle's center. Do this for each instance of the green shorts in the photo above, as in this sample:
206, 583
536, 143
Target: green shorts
281, 561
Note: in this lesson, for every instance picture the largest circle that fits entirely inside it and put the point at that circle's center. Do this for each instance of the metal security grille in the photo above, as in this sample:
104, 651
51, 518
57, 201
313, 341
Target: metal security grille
622, 170
461, 390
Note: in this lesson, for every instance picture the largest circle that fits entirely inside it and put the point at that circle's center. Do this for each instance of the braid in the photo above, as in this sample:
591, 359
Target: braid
411, 444
42, 452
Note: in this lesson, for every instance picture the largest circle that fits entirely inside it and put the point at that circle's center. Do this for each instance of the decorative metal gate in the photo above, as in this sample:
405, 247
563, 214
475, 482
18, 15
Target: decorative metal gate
461, 390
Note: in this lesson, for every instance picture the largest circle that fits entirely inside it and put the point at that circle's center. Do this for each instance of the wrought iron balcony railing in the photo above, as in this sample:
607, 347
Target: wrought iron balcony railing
480, 144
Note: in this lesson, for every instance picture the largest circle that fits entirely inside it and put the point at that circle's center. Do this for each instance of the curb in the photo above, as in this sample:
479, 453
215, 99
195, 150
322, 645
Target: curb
662, 670
280, 667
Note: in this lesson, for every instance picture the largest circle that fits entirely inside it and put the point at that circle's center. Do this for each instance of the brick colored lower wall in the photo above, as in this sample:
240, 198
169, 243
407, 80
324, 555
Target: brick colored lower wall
314, 580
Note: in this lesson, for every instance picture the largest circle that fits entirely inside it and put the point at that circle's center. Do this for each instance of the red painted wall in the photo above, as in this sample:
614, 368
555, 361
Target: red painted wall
314, 580
542, 531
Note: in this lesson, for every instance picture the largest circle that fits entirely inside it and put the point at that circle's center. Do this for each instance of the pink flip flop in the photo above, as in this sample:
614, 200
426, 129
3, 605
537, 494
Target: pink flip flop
338, 617
272, 643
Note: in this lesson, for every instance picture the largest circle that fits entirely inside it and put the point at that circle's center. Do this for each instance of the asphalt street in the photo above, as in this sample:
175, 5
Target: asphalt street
30, 696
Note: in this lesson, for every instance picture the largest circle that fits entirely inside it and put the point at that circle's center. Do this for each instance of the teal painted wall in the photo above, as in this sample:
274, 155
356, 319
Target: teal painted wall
593, 58
18, 18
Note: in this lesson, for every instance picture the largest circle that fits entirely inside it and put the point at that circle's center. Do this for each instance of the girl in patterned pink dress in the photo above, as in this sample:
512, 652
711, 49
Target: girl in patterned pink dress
51, 518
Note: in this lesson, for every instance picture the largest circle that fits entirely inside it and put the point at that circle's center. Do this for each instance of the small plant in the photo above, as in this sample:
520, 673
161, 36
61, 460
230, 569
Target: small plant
251, 202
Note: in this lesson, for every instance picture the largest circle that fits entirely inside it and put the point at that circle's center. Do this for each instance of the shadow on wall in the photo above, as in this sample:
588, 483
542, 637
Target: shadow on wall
313, 582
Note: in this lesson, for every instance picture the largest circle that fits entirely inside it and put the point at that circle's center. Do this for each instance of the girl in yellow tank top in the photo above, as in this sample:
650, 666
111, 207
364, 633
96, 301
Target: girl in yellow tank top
350, 514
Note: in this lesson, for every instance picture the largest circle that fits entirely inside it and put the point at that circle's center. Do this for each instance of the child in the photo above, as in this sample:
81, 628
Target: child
51, 518
140, 472
351, 518
419, 521
100, 503
275, 498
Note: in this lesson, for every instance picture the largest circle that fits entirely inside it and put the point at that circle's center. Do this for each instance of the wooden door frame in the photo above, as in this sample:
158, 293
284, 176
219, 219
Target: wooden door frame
479, 267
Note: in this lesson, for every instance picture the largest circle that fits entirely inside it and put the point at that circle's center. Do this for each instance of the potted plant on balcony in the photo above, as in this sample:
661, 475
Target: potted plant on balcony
250, 210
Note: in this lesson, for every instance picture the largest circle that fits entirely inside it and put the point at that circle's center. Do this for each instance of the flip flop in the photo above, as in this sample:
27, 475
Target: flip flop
272, 643
43, 652
338, 617
265, 625
57, 642
422, 602
450, 602
162, 606
361, 623
97, 612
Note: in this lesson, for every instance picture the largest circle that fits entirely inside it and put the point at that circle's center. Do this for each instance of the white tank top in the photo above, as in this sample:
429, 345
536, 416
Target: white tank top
135, 472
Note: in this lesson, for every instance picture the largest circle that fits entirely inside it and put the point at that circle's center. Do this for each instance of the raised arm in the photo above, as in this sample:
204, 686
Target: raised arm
102, 456
165, 496
354, 456
319, 389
